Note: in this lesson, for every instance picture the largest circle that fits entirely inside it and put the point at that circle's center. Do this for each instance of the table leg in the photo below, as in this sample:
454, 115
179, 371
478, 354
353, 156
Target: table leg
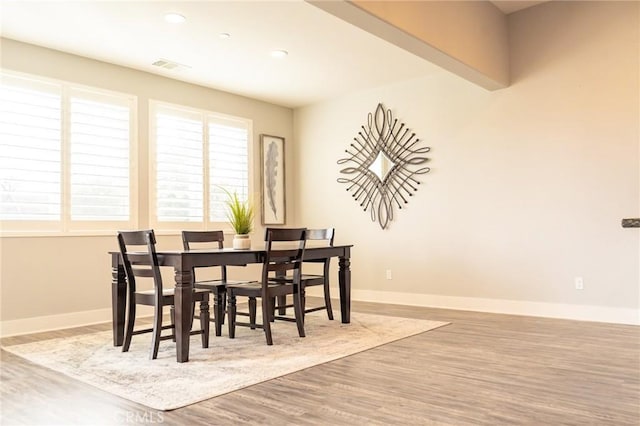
183, 313
344, 281
118, 299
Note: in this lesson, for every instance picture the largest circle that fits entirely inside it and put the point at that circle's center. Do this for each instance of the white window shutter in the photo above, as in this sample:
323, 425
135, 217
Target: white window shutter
99, 158
228, 164
30, 151
179, 168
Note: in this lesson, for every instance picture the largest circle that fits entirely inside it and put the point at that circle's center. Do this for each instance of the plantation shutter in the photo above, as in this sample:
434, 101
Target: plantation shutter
228, 164
179, 166
30, 150
99, 154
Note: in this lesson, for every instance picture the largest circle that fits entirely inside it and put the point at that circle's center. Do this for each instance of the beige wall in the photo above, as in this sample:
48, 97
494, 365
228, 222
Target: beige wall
528, 184
48, 276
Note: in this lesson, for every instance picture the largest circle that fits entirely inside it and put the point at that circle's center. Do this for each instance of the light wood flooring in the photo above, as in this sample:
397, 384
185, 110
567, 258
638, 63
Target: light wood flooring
482, 369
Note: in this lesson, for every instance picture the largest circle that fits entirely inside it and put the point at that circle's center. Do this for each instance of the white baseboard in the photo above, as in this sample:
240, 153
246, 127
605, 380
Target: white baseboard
57, 322
498, 306
501, 306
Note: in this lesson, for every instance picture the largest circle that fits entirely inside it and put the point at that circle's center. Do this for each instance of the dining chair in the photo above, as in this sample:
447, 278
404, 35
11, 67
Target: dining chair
193, 240
321, 236
138, 252
284, 249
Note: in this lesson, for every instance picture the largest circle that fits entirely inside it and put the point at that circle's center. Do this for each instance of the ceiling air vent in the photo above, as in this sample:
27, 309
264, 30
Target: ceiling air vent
170, 65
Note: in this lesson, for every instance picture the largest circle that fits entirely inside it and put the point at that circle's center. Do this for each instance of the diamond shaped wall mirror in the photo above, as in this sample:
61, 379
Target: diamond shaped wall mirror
383, 164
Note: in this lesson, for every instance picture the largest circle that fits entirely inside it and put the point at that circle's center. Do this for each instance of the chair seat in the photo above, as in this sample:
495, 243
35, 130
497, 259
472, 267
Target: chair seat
250, 287
306, 279
168, 295
208, 284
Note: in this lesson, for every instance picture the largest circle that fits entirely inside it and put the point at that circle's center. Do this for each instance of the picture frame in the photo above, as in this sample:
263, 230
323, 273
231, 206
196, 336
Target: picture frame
272, 180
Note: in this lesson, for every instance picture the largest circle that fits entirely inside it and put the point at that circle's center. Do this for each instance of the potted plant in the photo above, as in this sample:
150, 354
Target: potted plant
240, 215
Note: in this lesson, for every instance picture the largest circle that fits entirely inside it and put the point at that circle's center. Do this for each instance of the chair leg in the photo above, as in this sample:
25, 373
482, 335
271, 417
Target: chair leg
131, 318
204, 322
218, 312
232, 314
272, 310
157, 329
172, 314
282, 302
252, 312
299, 312
303, 300
223, 302
327, 299
266, 324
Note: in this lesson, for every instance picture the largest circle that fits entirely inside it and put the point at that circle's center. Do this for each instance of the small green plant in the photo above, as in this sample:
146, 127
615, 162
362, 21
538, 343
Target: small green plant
239, 213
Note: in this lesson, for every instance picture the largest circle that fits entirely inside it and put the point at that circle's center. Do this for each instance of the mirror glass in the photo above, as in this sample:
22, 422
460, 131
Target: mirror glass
381, 166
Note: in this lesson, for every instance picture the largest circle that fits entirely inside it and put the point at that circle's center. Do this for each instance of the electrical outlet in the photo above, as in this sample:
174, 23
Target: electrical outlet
388, 274
579, 283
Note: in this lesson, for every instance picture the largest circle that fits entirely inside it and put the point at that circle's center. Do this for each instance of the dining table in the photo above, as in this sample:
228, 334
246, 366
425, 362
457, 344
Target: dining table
183, 262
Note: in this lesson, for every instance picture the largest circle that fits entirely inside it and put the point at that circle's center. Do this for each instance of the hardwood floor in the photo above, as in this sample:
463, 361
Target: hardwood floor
483, 369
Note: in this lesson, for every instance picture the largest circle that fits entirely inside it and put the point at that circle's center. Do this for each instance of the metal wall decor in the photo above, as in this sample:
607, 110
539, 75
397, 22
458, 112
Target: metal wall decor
383, 160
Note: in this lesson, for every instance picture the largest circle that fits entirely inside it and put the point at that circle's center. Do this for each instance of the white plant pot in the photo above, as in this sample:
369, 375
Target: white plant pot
241, 242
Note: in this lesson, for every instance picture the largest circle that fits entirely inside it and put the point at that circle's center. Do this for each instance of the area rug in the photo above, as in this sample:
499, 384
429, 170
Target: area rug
227, 365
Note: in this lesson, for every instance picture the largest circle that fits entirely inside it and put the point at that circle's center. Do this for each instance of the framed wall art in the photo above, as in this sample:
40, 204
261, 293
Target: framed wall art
272, 180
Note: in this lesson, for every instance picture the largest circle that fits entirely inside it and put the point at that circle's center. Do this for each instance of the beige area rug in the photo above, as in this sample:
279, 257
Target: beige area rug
227, 365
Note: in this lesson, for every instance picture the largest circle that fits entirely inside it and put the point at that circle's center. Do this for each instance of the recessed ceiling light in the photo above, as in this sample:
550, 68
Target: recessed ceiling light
224, 35
279, 53
174, 18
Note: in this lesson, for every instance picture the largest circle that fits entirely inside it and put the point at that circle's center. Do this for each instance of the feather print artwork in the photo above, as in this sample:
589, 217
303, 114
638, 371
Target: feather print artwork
270, 172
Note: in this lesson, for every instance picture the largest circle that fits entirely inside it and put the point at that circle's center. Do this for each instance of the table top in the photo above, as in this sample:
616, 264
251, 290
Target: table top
236, 251
187, 259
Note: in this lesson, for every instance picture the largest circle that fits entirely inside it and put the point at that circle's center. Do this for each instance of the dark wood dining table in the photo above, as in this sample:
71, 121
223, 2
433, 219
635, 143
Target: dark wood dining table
183, 262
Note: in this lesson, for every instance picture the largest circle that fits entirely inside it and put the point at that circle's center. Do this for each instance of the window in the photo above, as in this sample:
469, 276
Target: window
65, 157
195, 156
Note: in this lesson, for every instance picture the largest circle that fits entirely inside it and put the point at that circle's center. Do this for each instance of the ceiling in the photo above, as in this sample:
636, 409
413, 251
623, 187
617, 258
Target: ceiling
327, 56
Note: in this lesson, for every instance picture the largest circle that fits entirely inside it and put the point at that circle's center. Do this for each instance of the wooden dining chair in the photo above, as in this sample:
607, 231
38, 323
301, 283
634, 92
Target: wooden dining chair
321, 236
138, 252
308, 280
280, 258
192, 240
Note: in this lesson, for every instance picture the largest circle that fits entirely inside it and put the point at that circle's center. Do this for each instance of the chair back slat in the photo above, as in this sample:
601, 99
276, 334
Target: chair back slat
139, 258
283, 234
137, 238
283, 255
282, 267
189, 237
140, 272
